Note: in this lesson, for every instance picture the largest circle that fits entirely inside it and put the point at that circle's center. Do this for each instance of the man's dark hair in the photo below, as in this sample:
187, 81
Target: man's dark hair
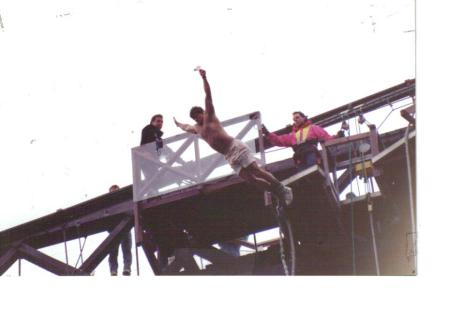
113, 187
194, 111
155, 116
301, 114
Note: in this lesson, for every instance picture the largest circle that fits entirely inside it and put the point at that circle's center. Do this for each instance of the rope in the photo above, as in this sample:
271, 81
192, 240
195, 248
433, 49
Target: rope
411, 201
368, 184
81, 247
357, 127
374, 242
352, 214
256, 254
65, 247
137, 258
283, 257
79, 244
392, 110
285, 231
358, 131
81, 252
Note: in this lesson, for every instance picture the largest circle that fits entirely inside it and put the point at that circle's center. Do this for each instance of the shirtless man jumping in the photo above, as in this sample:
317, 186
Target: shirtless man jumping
236, 153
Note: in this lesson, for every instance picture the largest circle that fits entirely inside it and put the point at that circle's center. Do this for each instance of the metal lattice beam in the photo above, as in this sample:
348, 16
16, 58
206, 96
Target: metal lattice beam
46, 262
109, 243
8, 259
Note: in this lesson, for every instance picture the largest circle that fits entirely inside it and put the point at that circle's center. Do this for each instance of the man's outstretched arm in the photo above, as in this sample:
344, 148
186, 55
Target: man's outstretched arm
185, 127
209, 107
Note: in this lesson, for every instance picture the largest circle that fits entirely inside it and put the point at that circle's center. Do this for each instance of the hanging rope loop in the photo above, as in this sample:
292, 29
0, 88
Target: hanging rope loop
286, 238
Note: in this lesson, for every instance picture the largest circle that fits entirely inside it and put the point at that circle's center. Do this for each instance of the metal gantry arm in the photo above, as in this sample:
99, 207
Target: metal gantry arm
9, 258
332, 148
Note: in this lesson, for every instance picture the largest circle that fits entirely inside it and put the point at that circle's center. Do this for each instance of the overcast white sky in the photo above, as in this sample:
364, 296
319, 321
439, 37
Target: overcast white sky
81, 78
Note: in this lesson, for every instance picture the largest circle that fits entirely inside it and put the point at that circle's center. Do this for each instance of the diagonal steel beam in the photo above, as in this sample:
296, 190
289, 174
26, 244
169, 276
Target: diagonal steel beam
46, 262
149, 249
8, 258
114, 238
344, 180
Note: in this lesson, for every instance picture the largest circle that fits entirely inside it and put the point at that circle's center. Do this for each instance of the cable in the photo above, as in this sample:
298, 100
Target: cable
368, 184
79, 244
352, 214
411, 201
358, 131
286, 234
65, 246
256, 253
372, 230
392, 110
137, 258
81, 252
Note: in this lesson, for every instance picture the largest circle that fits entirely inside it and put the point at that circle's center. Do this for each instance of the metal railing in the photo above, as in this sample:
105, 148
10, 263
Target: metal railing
186, 160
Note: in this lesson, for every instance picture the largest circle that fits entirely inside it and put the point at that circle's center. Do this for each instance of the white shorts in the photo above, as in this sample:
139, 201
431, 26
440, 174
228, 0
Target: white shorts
239, 156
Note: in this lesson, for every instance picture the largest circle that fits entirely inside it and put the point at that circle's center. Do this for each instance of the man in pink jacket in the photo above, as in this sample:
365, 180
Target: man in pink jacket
303, 139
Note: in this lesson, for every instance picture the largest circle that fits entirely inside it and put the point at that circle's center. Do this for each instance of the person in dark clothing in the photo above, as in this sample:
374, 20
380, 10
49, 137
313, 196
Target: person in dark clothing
152, 132
125, 244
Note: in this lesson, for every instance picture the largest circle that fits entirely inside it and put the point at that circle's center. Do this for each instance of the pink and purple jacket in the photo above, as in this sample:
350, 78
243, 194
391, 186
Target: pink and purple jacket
307, 131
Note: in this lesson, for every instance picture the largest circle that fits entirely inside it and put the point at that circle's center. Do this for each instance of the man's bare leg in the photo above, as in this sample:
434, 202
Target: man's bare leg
259, 172
248, 176
266, 181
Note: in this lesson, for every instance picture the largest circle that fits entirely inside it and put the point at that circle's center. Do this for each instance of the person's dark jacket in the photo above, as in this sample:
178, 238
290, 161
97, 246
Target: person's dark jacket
151, 134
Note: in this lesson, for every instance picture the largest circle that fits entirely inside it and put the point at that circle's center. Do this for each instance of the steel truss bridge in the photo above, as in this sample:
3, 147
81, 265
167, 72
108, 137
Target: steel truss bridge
371, 234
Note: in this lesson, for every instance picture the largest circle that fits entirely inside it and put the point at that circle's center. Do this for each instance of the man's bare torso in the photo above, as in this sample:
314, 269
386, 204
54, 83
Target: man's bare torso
214, 134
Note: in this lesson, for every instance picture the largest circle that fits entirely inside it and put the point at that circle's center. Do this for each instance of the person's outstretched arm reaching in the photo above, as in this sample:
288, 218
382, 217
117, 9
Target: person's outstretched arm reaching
185, 127
209, 107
